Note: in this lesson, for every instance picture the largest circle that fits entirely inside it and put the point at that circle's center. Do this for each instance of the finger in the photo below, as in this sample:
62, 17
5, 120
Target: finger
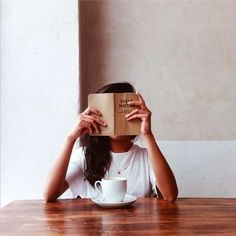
131, 113
86, 127
140, 102
93, 127
140, 111
95, 122
139, 116
135, 103
86, 111
95, 111
91, 110
140, 97
95, 119
96, 128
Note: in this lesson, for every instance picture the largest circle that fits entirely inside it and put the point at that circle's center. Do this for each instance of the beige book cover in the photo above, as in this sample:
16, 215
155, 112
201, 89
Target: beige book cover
114, 107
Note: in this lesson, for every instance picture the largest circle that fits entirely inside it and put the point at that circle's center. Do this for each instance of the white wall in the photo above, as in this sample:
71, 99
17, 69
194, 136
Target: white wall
203, 168
39, 90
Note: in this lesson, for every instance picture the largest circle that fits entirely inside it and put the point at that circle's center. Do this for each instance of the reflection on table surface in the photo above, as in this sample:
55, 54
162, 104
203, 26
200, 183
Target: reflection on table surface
147, 216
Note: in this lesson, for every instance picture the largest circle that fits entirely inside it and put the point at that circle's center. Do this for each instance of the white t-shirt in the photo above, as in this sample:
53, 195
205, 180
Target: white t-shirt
133, 165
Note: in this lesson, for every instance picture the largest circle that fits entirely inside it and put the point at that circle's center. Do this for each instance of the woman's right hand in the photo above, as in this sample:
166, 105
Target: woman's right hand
88, 121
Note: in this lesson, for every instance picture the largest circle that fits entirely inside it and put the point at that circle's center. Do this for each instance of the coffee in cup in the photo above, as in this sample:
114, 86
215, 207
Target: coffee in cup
113, 188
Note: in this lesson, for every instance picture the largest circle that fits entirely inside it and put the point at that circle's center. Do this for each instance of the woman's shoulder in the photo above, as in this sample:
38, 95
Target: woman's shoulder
140, 155
139, 150
77, 154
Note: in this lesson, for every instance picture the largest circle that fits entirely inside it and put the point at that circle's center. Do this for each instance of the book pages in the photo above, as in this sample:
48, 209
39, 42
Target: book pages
104, 102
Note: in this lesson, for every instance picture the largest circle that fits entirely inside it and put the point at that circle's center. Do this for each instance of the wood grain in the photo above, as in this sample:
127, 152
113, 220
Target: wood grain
147, 216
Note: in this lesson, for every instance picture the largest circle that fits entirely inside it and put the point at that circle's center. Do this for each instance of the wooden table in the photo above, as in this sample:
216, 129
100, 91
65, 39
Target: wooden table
147, 216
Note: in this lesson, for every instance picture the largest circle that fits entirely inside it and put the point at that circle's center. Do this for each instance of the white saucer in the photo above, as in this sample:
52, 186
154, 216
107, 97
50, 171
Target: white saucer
128, 200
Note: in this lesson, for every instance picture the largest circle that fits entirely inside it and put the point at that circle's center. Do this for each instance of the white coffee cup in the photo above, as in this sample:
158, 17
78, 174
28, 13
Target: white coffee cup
113, 188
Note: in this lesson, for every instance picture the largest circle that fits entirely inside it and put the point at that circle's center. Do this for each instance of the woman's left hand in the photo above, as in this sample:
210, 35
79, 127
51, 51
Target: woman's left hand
141, 112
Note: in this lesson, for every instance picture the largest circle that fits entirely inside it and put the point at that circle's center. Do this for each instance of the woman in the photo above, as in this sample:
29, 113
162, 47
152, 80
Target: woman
146, 169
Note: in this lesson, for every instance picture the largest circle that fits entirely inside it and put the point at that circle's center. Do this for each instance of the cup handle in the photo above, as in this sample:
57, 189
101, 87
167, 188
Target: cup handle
96, 183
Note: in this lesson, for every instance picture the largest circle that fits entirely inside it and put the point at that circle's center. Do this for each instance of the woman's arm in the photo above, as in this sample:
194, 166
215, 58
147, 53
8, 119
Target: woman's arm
56, 184
163, 173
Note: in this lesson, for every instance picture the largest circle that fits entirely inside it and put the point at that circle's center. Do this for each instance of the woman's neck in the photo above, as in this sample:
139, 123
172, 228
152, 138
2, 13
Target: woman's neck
121, 144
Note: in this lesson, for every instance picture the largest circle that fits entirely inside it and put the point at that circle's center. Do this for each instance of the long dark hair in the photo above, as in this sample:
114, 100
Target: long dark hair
97, 148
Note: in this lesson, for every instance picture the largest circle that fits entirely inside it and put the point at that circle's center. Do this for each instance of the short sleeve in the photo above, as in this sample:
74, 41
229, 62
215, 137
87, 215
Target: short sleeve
75, 172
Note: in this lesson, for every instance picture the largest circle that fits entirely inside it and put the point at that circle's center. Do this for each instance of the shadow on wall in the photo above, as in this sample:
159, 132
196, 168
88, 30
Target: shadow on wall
94, 47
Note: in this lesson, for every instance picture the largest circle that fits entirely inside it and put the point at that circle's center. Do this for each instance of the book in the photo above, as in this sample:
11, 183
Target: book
114, 107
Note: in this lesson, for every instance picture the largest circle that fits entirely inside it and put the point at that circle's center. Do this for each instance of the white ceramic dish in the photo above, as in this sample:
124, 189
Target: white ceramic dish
128, 200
